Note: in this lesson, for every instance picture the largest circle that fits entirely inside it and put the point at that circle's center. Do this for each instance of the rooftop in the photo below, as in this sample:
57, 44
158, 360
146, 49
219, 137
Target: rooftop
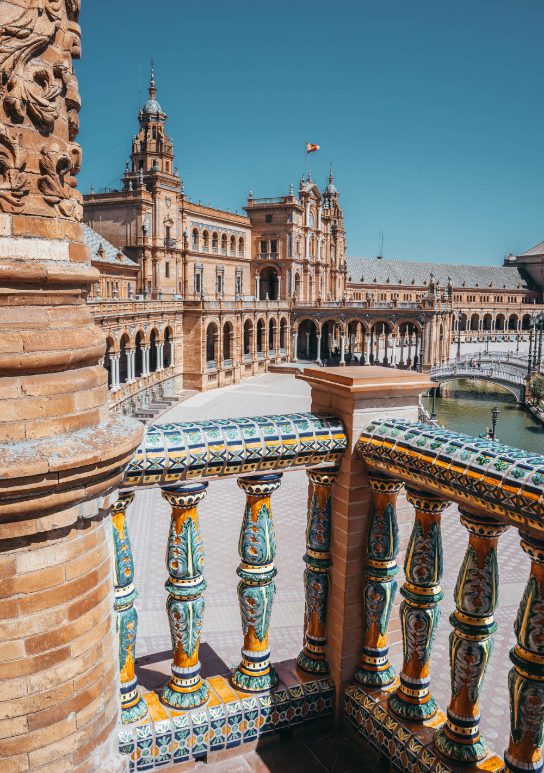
104, 252
417, 273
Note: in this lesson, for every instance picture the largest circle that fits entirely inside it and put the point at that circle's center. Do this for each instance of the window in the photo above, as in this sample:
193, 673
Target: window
264, 245
268, 218
140, 164
195, 239
198, 282
219, 283
289, 218
238, 283
241, 248
232, 245
167, 233
274, 246
167, 269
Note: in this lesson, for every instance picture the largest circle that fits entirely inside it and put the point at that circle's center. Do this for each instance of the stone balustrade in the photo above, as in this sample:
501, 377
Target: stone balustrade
494, 486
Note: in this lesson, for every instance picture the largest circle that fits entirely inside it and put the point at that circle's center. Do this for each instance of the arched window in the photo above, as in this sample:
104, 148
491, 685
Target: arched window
228, 338
211, 342
241, 248
205, 241
168, 348
138, 355
123, 359
248, 337
260, 335
153, 352
224, 244
283, 334
272, 335
233, 245
215, 242
194, 239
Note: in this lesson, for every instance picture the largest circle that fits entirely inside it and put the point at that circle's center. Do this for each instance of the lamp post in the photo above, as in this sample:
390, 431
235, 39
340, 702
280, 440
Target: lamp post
494, 418
538, 359
530, 356
433, 408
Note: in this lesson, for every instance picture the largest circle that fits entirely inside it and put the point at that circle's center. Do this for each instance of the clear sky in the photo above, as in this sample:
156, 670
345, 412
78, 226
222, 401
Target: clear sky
432, 113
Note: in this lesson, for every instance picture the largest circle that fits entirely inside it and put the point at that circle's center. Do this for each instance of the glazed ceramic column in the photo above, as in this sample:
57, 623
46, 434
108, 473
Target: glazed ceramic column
471, 644
380, 587
313, 657
526, 679
185, 604
256, 589
133, 707
419, 612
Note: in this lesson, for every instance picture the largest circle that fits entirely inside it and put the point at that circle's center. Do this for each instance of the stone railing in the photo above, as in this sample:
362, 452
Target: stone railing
495, 487
181, 459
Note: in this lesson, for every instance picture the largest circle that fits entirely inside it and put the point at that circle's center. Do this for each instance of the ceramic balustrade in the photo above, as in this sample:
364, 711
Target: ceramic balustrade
494, 486
181, 459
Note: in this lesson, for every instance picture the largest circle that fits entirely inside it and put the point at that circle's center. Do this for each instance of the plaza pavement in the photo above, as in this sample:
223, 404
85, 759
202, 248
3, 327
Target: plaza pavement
221, 515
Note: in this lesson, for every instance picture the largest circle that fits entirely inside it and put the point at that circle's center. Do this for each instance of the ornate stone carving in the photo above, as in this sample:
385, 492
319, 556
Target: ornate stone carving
14, 183
38, 89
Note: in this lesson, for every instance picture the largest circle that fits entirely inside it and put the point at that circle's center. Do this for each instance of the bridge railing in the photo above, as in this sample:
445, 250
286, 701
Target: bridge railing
484, 370
495, 487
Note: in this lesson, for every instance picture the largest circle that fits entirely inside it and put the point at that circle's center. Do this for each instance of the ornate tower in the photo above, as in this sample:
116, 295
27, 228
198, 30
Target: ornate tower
152, 156
336, 257
61, 454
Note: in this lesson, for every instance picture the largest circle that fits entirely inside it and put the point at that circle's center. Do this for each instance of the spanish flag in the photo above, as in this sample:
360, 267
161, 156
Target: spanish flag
311, 148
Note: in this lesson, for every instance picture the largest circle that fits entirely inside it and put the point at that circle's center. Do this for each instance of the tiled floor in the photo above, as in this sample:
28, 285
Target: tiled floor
221, 514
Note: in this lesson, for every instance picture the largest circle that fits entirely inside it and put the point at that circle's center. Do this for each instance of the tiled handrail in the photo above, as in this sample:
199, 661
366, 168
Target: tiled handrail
175, 456
495, 486
171, 453
507, 482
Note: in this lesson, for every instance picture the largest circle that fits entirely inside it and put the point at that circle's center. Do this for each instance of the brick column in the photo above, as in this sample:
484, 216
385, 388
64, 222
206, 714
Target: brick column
357, 396
61, 454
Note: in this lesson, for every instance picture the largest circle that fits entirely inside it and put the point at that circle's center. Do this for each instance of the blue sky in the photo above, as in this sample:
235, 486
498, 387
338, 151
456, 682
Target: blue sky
432, 113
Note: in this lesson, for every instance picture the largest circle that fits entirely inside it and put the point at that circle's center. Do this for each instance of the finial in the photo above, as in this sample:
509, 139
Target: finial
291, 190
152, 84
176, 172
141, 177
309, 178
126, 167
130, 185
331, 179
250, 195
182, 188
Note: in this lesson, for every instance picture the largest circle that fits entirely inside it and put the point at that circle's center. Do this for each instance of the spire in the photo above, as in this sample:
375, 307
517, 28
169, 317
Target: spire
331, 188
152, 84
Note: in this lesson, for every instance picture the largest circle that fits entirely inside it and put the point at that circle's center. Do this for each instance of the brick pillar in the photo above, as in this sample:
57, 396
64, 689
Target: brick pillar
356, 395
61, 454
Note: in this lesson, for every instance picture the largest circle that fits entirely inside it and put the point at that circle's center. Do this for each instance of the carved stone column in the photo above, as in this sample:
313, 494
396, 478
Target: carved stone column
62, 455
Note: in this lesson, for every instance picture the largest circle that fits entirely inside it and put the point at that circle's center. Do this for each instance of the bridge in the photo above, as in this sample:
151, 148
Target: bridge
503, 368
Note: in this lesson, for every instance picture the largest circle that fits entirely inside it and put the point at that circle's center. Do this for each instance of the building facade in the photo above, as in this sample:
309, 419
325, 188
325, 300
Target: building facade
194, 297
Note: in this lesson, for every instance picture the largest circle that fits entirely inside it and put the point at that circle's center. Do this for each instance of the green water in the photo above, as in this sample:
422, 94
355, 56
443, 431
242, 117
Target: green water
465, 406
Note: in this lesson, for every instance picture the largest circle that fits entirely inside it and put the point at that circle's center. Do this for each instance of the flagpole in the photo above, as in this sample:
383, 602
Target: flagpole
305, 159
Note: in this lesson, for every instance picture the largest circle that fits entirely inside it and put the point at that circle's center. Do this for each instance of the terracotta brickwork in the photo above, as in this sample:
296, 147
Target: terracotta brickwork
61, 454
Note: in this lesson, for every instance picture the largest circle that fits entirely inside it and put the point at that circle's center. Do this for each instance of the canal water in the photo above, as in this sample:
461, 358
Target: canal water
465, 406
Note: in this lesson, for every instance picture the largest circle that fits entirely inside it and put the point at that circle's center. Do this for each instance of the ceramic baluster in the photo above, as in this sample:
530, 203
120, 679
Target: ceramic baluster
476, 594
256, 589
133, 706
185, 603
380, 587
313, 657
419, 612
526, 679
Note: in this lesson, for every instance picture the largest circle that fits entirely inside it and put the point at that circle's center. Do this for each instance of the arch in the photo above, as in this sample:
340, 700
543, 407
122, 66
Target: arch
474, 321
500, 322
195, 239
463, 322
153, 350
205, 240
526, 322
487, 321
241, 247
228, 340
123, 358
268, 284
248, 337
110, 346
139, 354
307, 340
297, 285
283, 333
215, 242
224, 244
233, 245
272, 334
513, 322
260, 335
168, 352
212, 336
